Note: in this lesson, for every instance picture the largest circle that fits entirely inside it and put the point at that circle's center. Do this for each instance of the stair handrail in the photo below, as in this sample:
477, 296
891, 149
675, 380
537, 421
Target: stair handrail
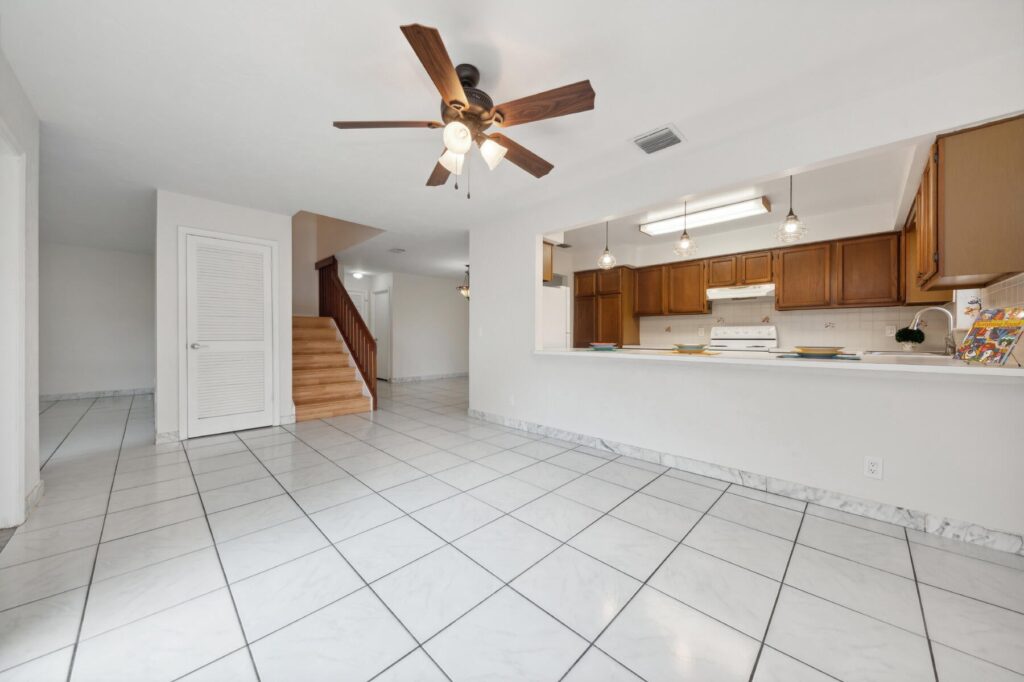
337, 304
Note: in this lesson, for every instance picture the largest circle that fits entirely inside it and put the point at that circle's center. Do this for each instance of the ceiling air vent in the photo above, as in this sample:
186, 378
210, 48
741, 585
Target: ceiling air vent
659, 139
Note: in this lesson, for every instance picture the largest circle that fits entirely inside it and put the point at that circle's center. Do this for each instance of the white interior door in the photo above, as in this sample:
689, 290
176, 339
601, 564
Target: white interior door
229, 335
381, 316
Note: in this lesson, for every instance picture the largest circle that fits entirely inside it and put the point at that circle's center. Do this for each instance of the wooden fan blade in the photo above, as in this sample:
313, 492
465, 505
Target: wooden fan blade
439, 175
568, 99
523, 157
348, 125
427, 44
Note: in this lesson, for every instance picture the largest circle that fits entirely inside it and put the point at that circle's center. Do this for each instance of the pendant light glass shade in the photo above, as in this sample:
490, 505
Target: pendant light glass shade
606, 261
493, 153
791, 230
685, 247
457, 137
452, 162
464, 287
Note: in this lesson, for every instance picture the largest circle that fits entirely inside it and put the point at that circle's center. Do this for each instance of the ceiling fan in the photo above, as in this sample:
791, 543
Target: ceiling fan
467, 111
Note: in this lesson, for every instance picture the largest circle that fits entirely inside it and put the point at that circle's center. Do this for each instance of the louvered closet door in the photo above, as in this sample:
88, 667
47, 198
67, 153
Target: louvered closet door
229, 335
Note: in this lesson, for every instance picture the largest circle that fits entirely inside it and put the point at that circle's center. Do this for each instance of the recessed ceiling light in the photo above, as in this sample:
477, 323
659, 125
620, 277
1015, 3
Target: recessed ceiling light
396, 250
357, 275
710, 216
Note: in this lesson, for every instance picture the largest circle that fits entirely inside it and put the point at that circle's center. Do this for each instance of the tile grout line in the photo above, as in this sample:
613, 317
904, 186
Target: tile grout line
95, 558
778, 595
592, 643
73, 427
220, 562
920, 603
351, 567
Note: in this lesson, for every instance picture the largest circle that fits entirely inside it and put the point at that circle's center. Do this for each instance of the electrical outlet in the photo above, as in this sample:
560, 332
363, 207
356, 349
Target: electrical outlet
890, 330
873, 467
700, 331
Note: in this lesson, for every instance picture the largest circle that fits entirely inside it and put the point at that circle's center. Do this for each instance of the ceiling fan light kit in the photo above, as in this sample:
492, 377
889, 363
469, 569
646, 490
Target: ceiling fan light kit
467, 112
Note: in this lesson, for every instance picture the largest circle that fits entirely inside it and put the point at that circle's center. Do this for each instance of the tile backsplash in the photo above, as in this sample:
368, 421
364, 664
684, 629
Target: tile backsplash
1009, 292
856, 329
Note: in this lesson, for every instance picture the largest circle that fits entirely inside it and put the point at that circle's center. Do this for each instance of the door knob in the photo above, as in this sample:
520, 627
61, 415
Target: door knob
196, 346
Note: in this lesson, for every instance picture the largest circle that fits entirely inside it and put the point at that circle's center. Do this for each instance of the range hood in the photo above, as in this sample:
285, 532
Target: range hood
748, 291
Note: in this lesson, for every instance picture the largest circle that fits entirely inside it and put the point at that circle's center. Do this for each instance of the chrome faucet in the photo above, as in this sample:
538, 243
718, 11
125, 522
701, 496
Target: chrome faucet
950, 343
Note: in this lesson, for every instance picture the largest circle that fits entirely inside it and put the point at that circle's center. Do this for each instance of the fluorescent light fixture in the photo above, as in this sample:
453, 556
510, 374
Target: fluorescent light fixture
710, 216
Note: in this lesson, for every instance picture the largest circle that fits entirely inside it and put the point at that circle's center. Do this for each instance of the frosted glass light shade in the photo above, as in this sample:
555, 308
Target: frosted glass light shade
457, 137
606, 261
452, 162
685, 247
493, 153
791, 230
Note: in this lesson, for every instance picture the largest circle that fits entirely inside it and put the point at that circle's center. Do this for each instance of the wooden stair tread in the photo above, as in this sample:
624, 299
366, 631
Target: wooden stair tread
318, 393
334, 408
315, 346
323, 322
322, 375
319, 360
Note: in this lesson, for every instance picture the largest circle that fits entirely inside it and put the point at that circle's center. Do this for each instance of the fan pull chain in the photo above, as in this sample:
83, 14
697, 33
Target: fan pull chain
457, 168
469, 179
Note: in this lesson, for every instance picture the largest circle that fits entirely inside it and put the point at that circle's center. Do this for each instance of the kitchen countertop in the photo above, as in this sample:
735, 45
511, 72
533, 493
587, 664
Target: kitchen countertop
870, 363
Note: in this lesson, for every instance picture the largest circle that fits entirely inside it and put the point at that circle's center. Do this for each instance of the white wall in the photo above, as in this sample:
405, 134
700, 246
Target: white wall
305, 279
179, 210
96, 321
429, 327
808, 427
19, 300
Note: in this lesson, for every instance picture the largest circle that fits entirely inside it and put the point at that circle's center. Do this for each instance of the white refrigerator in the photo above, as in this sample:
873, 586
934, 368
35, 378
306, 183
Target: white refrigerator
556, 318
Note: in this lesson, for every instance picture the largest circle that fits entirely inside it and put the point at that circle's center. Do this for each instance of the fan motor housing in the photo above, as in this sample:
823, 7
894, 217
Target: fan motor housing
479, 114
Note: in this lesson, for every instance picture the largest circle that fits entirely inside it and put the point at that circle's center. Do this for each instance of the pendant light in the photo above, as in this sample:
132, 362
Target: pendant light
464, 287
607, 260
685, 247
791, 229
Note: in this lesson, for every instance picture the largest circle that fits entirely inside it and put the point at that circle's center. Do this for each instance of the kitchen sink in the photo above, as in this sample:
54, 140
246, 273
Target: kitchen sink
909, 353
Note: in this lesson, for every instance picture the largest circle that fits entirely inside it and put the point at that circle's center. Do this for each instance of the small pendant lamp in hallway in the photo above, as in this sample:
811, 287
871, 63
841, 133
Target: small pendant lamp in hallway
606, 261
791, 230
464, 287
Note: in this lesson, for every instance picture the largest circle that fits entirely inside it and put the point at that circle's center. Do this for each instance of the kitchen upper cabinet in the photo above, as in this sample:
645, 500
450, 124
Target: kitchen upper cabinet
686, 292
585, 283
650, 290
755, 268
722, 271
803, 276
970, 221
549, 262
867, 271
604, 302
612, 281
912, 293
584, 326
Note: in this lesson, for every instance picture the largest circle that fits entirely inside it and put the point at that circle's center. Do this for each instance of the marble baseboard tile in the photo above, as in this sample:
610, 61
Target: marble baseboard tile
96, 394
167, 437
427, 377
916, 520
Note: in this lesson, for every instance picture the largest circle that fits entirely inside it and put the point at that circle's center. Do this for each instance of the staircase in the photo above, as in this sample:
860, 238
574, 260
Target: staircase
324, 384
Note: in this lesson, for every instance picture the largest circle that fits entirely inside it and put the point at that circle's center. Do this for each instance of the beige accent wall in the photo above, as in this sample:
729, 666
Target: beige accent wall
315, 237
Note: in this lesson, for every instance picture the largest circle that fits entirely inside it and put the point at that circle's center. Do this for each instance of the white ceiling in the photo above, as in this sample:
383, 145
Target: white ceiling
870, 180
233, 100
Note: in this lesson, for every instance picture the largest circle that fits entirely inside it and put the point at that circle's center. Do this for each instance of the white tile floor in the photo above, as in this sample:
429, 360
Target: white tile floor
418, 544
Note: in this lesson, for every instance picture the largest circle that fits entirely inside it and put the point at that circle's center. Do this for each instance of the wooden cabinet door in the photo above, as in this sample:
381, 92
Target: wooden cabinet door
549, 262
867, 270
586, 283
803, 276
686, 288
912, 293
755, 268
928, 222
584, 326
722, 271
610, 281
609, 318
650, 290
